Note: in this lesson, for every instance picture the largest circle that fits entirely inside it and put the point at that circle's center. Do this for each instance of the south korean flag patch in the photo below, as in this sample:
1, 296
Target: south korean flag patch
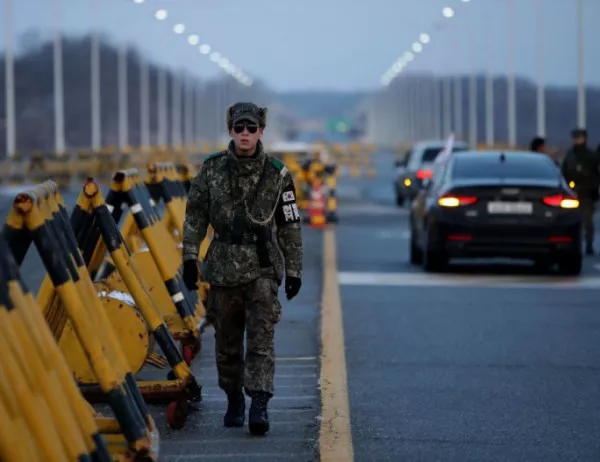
287, 209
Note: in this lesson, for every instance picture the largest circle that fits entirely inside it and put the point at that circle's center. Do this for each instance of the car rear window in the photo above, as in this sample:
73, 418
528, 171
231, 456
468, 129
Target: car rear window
534, 167
430, 154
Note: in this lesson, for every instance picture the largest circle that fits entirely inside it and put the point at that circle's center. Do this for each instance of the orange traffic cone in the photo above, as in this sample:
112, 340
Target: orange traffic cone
316, 208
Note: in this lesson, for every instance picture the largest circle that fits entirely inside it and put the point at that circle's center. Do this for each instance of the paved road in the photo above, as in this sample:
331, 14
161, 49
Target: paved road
485, 363
295, 409
488, 363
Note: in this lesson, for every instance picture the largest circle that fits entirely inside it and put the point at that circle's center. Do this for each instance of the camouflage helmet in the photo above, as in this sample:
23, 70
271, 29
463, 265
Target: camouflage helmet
246, 111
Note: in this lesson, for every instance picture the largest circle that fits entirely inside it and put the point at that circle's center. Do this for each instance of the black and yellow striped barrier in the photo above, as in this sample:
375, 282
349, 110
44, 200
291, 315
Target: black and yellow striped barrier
160, 261
38, 216
43, 416
90, 217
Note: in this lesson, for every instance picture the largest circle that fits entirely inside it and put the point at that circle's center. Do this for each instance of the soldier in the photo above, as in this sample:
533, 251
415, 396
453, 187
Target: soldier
538, 144
582, 168
248, 197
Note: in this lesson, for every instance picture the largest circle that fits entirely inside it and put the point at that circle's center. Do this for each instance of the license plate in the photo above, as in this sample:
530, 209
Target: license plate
519, 208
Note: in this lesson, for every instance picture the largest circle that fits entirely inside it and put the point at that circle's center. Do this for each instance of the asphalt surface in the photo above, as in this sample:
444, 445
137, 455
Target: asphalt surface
491, 362
295, 409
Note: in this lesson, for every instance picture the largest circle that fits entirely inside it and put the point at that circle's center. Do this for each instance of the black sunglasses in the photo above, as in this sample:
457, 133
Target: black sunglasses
239, 128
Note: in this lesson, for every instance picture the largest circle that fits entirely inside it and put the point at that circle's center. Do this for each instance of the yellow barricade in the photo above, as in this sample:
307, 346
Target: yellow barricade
166, 187
331, 182
93, 225
160, 261
38, 216
43, 416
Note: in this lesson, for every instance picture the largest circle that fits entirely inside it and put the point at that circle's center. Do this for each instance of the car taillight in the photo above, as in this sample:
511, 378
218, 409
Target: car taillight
424, 174
564, 202
456, 201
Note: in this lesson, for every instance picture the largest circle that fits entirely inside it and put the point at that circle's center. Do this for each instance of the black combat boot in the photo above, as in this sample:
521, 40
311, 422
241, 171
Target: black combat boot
236, 409
258, 418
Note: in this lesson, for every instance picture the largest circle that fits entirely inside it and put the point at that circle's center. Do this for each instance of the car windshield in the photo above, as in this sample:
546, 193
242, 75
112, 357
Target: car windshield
430, 154
486, 166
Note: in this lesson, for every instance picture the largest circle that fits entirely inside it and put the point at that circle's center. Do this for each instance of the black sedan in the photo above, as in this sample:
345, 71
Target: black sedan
497, 204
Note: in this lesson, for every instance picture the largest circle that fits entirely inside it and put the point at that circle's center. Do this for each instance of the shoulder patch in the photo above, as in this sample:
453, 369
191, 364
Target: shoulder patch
215, 155
277, 163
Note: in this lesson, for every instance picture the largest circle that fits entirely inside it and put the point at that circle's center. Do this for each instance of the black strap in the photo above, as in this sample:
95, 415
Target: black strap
227, 237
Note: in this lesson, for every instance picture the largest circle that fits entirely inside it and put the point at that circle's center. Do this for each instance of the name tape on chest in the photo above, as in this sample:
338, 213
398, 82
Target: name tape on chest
291, 213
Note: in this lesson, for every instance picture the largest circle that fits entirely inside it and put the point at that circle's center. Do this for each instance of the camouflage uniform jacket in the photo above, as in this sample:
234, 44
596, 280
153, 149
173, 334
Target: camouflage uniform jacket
231, 194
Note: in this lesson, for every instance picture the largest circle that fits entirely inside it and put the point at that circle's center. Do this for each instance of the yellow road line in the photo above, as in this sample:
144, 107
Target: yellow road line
335, 437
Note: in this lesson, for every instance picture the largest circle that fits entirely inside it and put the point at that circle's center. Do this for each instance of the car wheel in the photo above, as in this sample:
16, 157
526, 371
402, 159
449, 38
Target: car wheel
433, 261
570, 264
416, 254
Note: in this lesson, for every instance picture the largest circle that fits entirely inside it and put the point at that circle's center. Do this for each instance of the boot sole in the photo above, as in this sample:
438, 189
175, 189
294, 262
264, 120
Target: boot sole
258, 428
233, 425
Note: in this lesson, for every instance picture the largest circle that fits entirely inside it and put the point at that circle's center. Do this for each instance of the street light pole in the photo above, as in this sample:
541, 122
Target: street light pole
489, 108
9, 81
541, 97
458, 107
144, 102
176, 111
447, 103
581, 110
123, 103
162, 107
197, 113
511, 84
437, 106
59, 118
95, 93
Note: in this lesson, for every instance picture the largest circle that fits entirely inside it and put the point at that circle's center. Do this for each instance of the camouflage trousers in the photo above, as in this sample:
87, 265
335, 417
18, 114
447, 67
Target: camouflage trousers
587, 207
254, 309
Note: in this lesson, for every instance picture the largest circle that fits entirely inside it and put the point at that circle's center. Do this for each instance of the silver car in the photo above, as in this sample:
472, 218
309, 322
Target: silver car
417, 166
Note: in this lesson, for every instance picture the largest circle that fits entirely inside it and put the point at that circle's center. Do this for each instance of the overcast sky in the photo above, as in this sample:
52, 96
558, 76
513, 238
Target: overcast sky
333, 44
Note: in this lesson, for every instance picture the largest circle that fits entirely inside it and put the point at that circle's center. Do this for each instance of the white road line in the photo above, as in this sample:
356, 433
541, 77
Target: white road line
396, 234
271, 411
216, 389
231, 441
208, 398
244, 456
457, 280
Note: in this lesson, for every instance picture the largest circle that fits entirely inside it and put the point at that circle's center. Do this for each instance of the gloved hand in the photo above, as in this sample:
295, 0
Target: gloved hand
292, 286
190, 274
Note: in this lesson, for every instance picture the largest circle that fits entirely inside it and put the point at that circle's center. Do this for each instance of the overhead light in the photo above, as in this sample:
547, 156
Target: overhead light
424, 38
161, 14
204, 49
215, 56
448, 12
179, 28
193, 40
417, 47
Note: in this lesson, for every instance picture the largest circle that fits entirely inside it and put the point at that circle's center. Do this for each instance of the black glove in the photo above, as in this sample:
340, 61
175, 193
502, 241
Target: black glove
292, 286
190, 274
